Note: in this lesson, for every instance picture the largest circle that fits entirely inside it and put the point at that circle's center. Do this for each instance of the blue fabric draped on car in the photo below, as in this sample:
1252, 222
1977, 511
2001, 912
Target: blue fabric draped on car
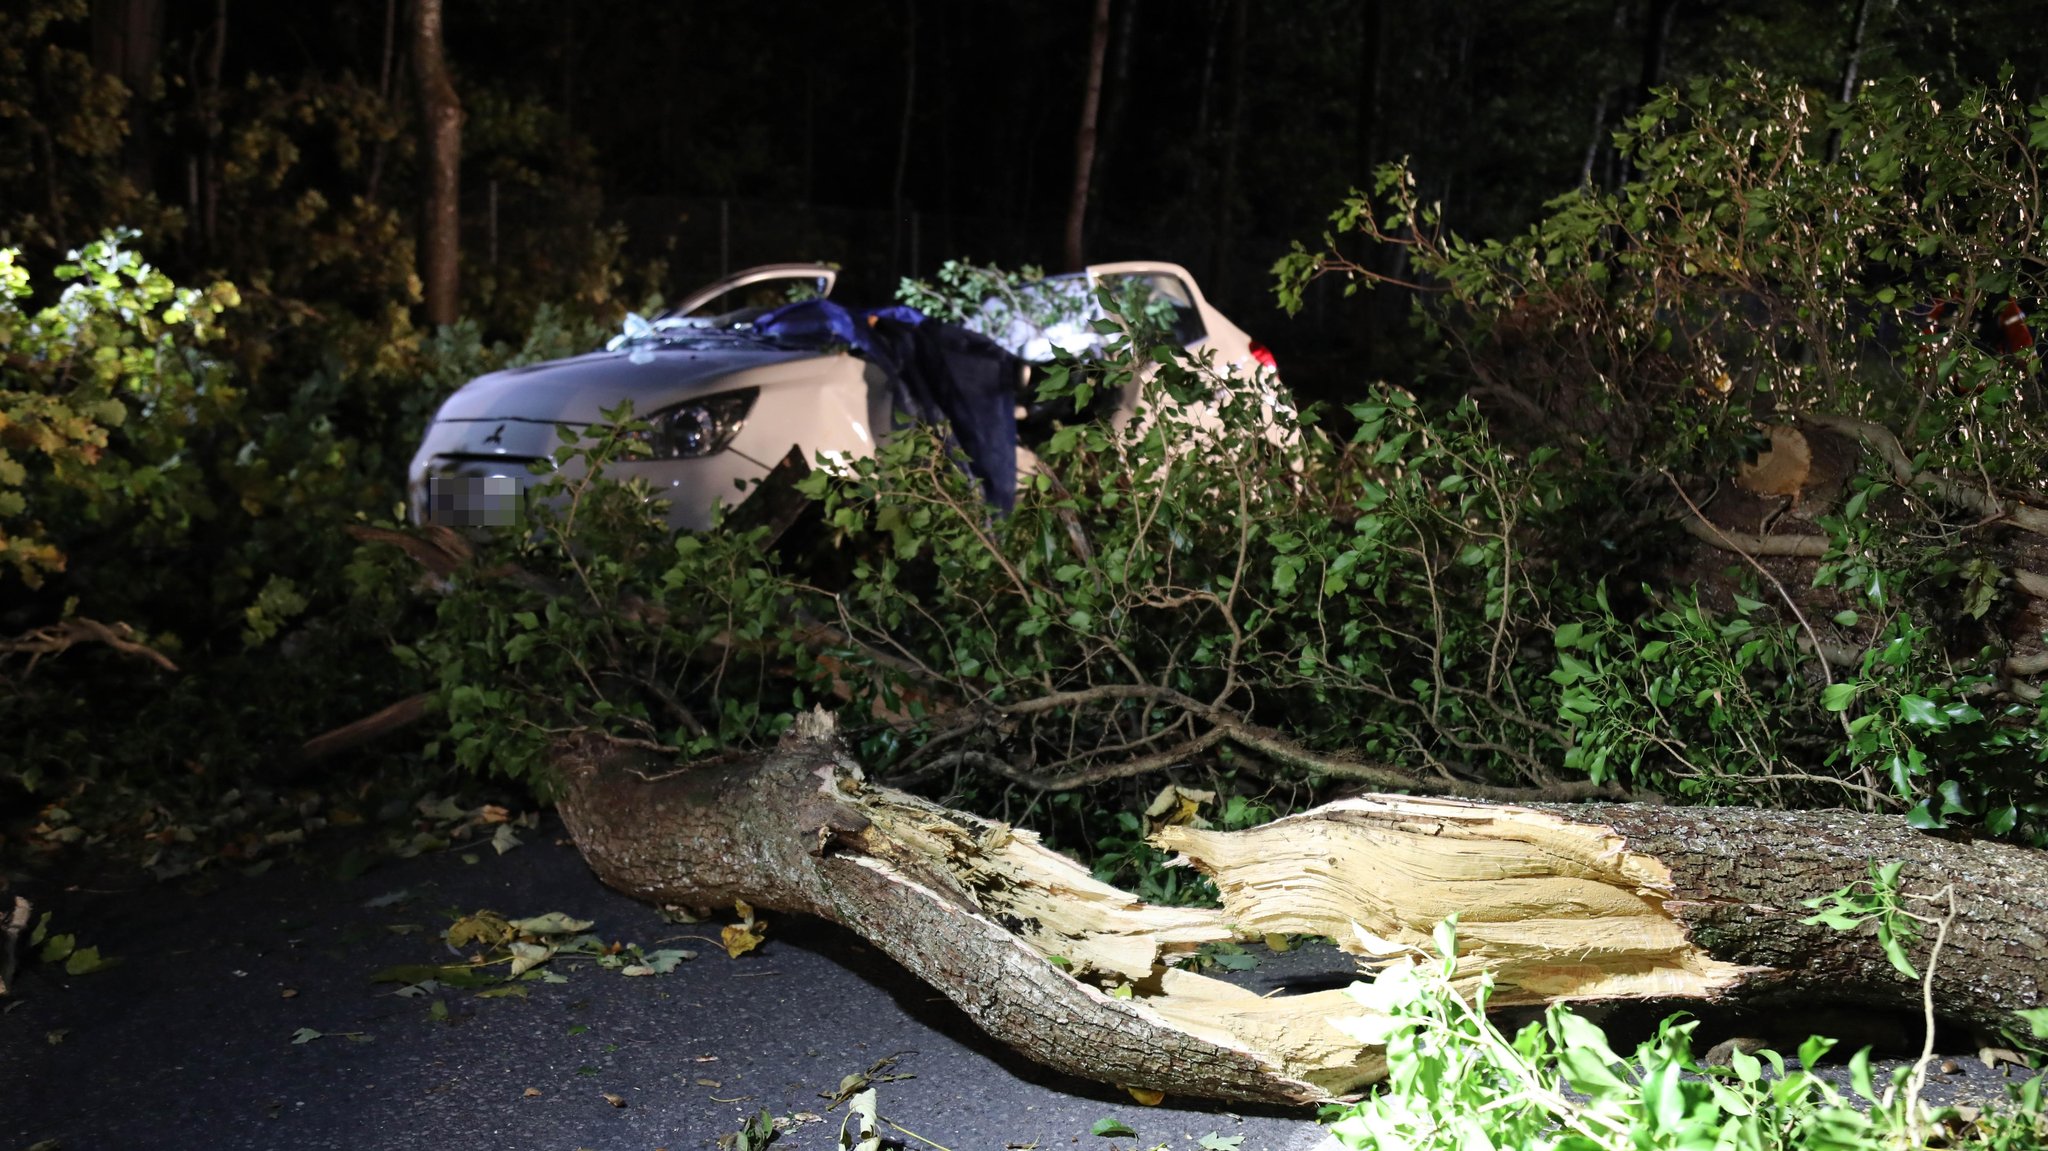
942, 374
816, 323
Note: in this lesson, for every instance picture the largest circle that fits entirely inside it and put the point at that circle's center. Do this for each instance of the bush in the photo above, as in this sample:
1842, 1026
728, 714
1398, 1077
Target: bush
1777, 262
149, 484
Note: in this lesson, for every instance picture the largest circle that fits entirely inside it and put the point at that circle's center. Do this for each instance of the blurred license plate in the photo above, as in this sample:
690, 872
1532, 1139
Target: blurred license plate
473, 501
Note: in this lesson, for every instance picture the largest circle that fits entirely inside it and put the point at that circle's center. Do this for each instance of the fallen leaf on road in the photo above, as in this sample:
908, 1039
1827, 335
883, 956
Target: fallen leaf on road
1147, 1096
553, 923
484, 927
742, 937
1109, 1126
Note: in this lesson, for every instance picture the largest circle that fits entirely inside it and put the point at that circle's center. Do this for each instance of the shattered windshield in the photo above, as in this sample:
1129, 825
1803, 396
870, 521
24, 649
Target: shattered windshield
1041, 318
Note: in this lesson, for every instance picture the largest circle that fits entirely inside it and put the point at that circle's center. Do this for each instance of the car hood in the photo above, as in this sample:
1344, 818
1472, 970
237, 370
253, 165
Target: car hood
579, 389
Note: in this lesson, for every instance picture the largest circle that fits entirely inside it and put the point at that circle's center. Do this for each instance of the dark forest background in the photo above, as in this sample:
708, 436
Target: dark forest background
612, 146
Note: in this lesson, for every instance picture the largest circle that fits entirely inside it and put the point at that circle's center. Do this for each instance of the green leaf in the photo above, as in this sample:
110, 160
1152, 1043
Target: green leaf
2037, 1019
1922, 712
1895, 950
305, 1035
58, 948
1859, 1075
1572, 669
87, 960
1109, 1126
1838, 696
1951, 794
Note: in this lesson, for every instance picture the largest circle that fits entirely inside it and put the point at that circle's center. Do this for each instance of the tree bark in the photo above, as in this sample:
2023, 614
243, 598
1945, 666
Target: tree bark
210, 124
127, 41
1114, 108
1365, 131
1852, 62
441, 113
1233, 129
1612, 902
1657, 21
903, 126
1084, 134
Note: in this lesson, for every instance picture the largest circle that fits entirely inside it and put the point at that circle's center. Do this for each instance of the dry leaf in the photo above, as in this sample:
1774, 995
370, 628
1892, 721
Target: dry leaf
1176, 805
738, 939
614, 1100
485, 928
1146, 1095
742, 937
531, 1093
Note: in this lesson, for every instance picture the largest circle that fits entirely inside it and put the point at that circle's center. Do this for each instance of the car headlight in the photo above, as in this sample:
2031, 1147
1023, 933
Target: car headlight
699, 428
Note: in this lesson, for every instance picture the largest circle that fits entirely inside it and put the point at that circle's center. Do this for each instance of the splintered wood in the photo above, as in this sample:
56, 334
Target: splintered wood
1553, 909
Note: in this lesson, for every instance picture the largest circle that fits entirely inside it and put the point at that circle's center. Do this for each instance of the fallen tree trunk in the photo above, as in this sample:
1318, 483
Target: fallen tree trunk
1600, 902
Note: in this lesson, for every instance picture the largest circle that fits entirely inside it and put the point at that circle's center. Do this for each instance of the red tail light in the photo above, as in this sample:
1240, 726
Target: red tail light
1264, 355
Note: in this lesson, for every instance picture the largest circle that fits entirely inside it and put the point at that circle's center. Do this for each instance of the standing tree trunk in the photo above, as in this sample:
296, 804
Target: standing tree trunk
1601, 141
210, 109
1114, 107
1656, 39
384, 71
127, 39
896, 185
1084, 136
1233, 127
1854, 61
1365, 130
1614, 902
441, 112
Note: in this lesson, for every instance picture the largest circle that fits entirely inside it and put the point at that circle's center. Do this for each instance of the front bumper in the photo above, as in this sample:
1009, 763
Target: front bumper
481, 473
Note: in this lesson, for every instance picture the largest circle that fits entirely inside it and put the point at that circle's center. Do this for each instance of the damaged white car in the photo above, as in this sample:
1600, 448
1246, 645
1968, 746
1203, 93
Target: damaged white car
762, 363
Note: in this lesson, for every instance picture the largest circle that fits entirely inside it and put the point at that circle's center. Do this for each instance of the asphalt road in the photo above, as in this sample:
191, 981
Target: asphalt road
189, 1042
